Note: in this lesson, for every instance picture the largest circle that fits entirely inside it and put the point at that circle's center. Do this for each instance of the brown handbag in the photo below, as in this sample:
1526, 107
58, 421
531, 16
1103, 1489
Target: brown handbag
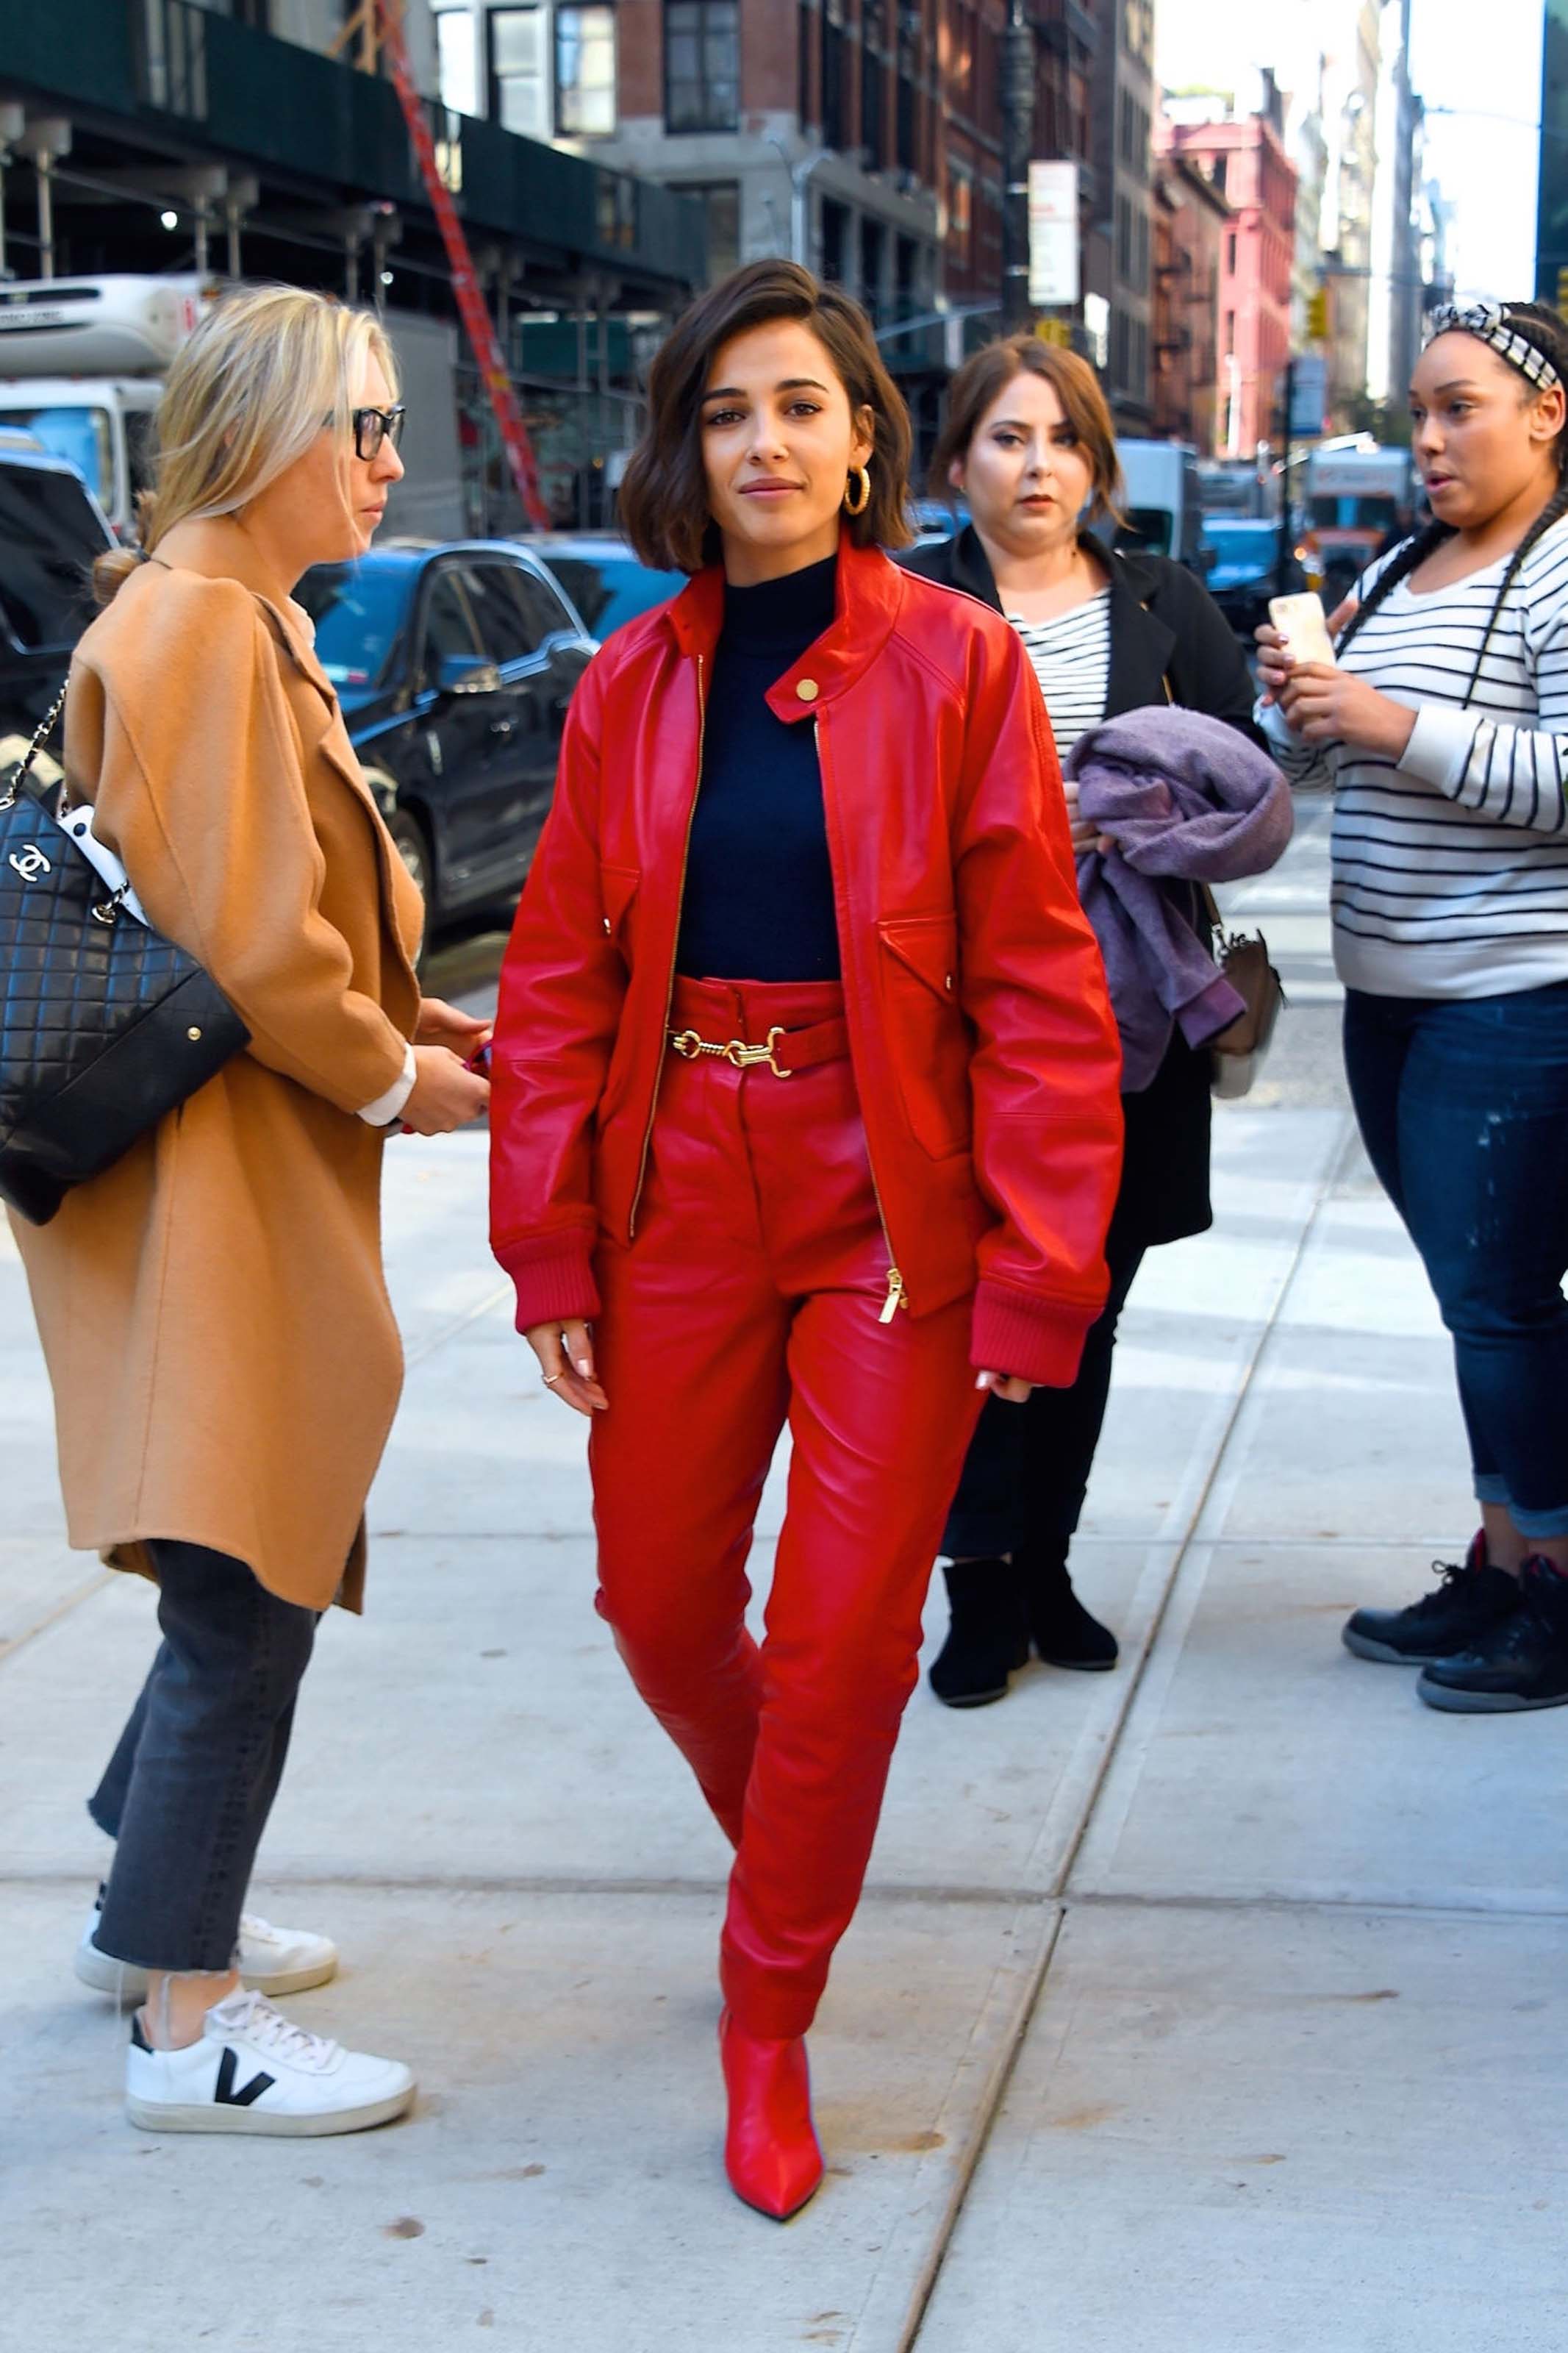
1240, 1052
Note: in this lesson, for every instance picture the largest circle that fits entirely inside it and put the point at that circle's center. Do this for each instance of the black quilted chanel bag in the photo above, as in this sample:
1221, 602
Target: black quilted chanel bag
104, 1025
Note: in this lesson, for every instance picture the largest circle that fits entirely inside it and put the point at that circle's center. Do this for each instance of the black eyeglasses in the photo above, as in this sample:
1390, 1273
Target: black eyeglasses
374, 426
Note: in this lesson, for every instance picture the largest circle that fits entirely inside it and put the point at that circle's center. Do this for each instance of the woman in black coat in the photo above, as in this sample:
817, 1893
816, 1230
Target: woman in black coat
1030, 443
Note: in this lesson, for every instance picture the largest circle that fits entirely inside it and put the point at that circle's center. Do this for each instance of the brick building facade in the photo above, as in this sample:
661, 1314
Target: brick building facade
1192, 222
1244, 157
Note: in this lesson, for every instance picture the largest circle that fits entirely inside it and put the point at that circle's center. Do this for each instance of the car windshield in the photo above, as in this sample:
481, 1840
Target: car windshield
1233, 543
1146, 530
83, 436
359, 611
1372, 511
611, 588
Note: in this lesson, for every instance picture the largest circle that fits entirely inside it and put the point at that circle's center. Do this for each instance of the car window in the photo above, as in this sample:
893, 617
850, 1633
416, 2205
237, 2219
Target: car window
503, 625
449, 630
83, 436
48, 538
546, 616
359, 611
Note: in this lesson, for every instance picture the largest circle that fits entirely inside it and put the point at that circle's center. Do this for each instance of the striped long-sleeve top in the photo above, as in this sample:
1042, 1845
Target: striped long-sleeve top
1450, 866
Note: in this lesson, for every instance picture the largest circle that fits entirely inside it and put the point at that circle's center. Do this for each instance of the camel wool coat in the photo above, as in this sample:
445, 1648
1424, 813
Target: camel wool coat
223, 1352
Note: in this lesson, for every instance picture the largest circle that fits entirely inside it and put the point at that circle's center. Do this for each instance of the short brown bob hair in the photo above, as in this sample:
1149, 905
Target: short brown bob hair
663, 502
983, 379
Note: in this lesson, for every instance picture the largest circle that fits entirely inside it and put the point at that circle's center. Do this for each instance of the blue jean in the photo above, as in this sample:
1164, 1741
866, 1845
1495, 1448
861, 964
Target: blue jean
1463, 1108
186, 1794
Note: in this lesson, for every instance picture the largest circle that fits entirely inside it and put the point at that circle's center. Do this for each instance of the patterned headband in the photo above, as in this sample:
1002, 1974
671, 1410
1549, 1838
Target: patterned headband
1489, 322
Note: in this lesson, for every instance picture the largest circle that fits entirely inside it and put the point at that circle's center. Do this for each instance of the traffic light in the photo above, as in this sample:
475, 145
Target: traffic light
1055, 331
1563, 294
1318, 316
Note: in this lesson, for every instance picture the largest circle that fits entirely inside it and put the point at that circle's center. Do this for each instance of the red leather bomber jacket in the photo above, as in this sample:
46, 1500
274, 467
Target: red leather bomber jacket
981, 1039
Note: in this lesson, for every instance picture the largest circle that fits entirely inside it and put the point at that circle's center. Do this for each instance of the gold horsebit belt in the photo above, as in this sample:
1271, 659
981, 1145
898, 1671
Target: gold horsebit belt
786, 1051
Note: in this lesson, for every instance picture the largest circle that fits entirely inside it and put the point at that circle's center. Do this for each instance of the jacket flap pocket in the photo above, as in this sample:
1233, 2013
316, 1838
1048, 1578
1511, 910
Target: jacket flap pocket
928, 944
619, 885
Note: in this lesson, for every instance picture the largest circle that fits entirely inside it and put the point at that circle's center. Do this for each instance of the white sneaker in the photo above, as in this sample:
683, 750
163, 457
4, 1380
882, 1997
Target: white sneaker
253, 2071
270, 1960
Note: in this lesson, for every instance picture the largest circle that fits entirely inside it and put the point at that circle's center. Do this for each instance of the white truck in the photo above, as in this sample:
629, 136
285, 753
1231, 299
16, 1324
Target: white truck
83, 362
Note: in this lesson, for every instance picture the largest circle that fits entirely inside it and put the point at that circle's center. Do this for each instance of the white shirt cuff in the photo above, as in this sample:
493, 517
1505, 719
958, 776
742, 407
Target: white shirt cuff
1275, 726
385, 1108
1440, 745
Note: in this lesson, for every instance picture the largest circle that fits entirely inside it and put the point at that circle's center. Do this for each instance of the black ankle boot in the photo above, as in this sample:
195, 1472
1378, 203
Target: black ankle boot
988, 1637
1062, 1631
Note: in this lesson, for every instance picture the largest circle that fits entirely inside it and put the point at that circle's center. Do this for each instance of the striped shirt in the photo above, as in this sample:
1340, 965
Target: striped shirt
1450, 867
1071, 655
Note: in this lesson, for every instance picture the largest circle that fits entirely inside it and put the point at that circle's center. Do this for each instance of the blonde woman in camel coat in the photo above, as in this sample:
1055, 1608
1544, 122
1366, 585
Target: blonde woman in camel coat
223, 1353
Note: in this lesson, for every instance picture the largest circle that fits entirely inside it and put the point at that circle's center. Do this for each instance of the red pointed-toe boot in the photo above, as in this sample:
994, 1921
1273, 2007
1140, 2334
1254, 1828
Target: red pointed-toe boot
771, 2150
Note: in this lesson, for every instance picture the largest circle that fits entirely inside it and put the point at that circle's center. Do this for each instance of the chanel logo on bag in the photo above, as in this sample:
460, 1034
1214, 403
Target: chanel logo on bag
30, 863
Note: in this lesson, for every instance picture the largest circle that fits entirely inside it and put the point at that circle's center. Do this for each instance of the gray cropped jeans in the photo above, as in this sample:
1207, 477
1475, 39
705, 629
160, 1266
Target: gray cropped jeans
187, 1792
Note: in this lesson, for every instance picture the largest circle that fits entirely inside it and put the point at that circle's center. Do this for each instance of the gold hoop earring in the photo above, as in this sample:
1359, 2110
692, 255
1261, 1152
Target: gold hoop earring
859, 498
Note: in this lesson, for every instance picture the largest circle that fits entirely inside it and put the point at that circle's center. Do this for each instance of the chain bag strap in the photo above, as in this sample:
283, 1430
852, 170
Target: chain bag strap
105, 1026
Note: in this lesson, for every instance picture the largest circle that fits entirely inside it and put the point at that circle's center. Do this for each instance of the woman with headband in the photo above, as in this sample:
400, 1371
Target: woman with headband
1443, 724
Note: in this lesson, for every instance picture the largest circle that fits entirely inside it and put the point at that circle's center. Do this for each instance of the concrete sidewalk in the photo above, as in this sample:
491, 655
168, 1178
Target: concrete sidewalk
1214, 2006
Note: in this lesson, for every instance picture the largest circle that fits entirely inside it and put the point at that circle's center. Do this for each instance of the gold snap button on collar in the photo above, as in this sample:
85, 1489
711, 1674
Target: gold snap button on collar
807, 690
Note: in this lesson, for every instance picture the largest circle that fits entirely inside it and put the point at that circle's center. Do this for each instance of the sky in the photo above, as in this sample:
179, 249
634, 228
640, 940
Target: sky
1483, 62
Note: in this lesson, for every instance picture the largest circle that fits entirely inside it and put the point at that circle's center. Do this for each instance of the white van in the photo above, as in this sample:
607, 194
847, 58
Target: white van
81, 367
1162, 501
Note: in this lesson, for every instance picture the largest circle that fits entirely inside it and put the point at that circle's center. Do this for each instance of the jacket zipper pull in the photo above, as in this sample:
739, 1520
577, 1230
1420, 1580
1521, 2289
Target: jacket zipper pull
896, 1296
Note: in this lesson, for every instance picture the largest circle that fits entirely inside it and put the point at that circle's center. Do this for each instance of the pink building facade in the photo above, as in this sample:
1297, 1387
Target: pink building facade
1245, 159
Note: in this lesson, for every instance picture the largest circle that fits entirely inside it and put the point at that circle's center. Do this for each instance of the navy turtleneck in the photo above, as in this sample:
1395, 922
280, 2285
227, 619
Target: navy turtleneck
759, 887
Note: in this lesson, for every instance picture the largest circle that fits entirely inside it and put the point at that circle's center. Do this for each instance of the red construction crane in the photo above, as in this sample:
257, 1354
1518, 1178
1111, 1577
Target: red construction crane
386, 16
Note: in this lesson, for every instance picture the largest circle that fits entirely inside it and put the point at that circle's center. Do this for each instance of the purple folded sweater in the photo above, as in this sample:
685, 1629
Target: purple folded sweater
1184, 796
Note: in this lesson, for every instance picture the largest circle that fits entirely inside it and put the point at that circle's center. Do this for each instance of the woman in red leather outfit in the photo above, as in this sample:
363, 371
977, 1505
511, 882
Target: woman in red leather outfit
805, 1112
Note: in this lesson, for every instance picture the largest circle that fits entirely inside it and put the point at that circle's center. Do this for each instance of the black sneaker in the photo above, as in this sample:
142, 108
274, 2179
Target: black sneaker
988, 1637
1521, 1662
1470, 1600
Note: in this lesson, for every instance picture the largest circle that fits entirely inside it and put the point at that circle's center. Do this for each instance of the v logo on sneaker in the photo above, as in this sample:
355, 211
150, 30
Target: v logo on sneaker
224, 2094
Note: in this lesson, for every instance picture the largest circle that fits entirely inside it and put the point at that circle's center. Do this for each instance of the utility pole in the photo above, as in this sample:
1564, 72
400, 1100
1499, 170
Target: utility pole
1017, 139
1282, 549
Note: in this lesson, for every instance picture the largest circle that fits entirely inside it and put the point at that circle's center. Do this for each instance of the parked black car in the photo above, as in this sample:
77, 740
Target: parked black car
1245, 572
602, 578
50, 531
454, 665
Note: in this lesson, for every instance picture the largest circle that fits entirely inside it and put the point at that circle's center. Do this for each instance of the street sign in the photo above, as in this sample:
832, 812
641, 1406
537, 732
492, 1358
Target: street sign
1309, 397
1053, 235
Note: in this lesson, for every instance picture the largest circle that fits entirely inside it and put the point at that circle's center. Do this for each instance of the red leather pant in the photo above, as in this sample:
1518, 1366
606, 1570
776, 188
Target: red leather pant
750, 1297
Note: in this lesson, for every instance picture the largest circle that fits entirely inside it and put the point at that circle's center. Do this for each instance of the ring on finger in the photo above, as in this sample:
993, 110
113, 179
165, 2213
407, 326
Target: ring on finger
550, 1379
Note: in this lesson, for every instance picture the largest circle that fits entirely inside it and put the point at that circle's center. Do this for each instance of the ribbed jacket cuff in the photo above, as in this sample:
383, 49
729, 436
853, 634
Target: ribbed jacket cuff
554, 1278
1035, 1340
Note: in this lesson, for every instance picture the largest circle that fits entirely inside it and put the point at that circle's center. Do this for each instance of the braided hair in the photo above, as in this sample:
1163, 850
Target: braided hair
1543, 327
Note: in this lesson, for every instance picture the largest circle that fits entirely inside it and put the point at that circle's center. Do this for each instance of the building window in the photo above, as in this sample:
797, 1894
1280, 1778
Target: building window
834, 239
873, 264
721, 200
962, 216
1230, 252
1229, 333
834, 113
701, 65
908, 125
456, 56
873, 81
519, 79
584, 72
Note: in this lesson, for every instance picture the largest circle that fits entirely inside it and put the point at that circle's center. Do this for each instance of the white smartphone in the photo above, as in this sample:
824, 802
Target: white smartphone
1302, 620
